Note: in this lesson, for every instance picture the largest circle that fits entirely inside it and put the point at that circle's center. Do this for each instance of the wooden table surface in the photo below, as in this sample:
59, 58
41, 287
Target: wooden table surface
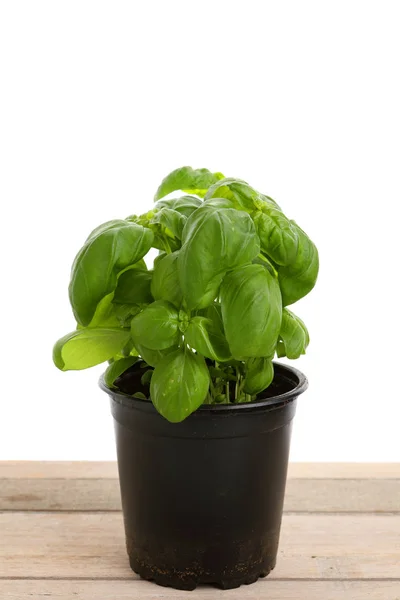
61, 536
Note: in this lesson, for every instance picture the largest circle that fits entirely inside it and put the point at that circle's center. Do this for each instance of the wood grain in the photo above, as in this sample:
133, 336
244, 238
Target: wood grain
79, 545
108, 470
142, 590
302, 495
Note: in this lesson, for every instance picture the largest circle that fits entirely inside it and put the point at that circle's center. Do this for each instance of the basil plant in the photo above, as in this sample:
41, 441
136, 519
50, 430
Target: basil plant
212, 312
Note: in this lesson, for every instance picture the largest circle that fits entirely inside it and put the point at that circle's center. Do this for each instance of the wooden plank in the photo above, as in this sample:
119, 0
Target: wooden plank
20, 469
302, 495
108, 470
92, 545
344, 470
264, 589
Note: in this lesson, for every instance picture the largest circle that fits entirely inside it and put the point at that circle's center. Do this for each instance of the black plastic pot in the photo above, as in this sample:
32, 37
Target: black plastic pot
202, 499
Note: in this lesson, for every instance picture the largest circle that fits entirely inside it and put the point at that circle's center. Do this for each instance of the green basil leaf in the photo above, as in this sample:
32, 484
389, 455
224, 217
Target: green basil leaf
171, 219
207, 339
192, 181
86, 348
133, 287
153, 357
240, 193
156, 327
298, 279
251, 311
184, 205
214, 240
263, 260
165, 284
96, 267
146, 377
259, 375
126, 312
278, 237
214, 313
294, 335
219, 203
117, 368
179, 384
105, 314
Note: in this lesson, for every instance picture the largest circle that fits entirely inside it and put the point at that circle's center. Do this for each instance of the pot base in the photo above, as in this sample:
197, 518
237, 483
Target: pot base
190, 580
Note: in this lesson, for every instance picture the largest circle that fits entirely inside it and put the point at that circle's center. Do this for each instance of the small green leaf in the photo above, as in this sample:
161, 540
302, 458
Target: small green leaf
105, 314
240, 193
259, 375
146, 377
251, 311
192, 181
156, 327
171, 219
86, 348
133, 287
203, 336
299, 278
294, 335
116, 369
184, 205
165, 284
179, 384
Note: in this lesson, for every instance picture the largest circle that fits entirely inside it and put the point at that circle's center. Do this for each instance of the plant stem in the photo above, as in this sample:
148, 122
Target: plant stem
237, 386
227, 392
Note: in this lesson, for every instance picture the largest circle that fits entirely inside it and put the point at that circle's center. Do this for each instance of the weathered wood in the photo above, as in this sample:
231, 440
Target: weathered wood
141, 590
19, 469
302, 495
78, 545
97, 470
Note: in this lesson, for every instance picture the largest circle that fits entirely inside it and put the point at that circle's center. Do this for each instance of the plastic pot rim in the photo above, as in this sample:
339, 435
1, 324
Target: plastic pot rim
267, 404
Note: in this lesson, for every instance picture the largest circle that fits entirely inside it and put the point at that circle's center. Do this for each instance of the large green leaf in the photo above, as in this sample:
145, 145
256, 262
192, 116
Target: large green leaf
133, 287
86, 348
251, 311
214, 241
117, 368
278, 237
110, 249
165, 284
184, 205
294, 335
207, 339
299, 278
259, 375
179, 384
156, 327
192, 181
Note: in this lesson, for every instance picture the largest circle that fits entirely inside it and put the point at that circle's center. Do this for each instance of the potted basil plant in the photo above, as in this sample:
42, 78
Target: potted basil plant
202, 413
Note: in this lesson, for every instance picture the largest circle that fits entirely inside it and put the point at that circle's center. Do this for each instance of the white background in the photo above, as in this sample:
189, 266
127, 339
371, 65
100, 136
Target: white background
100, 100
